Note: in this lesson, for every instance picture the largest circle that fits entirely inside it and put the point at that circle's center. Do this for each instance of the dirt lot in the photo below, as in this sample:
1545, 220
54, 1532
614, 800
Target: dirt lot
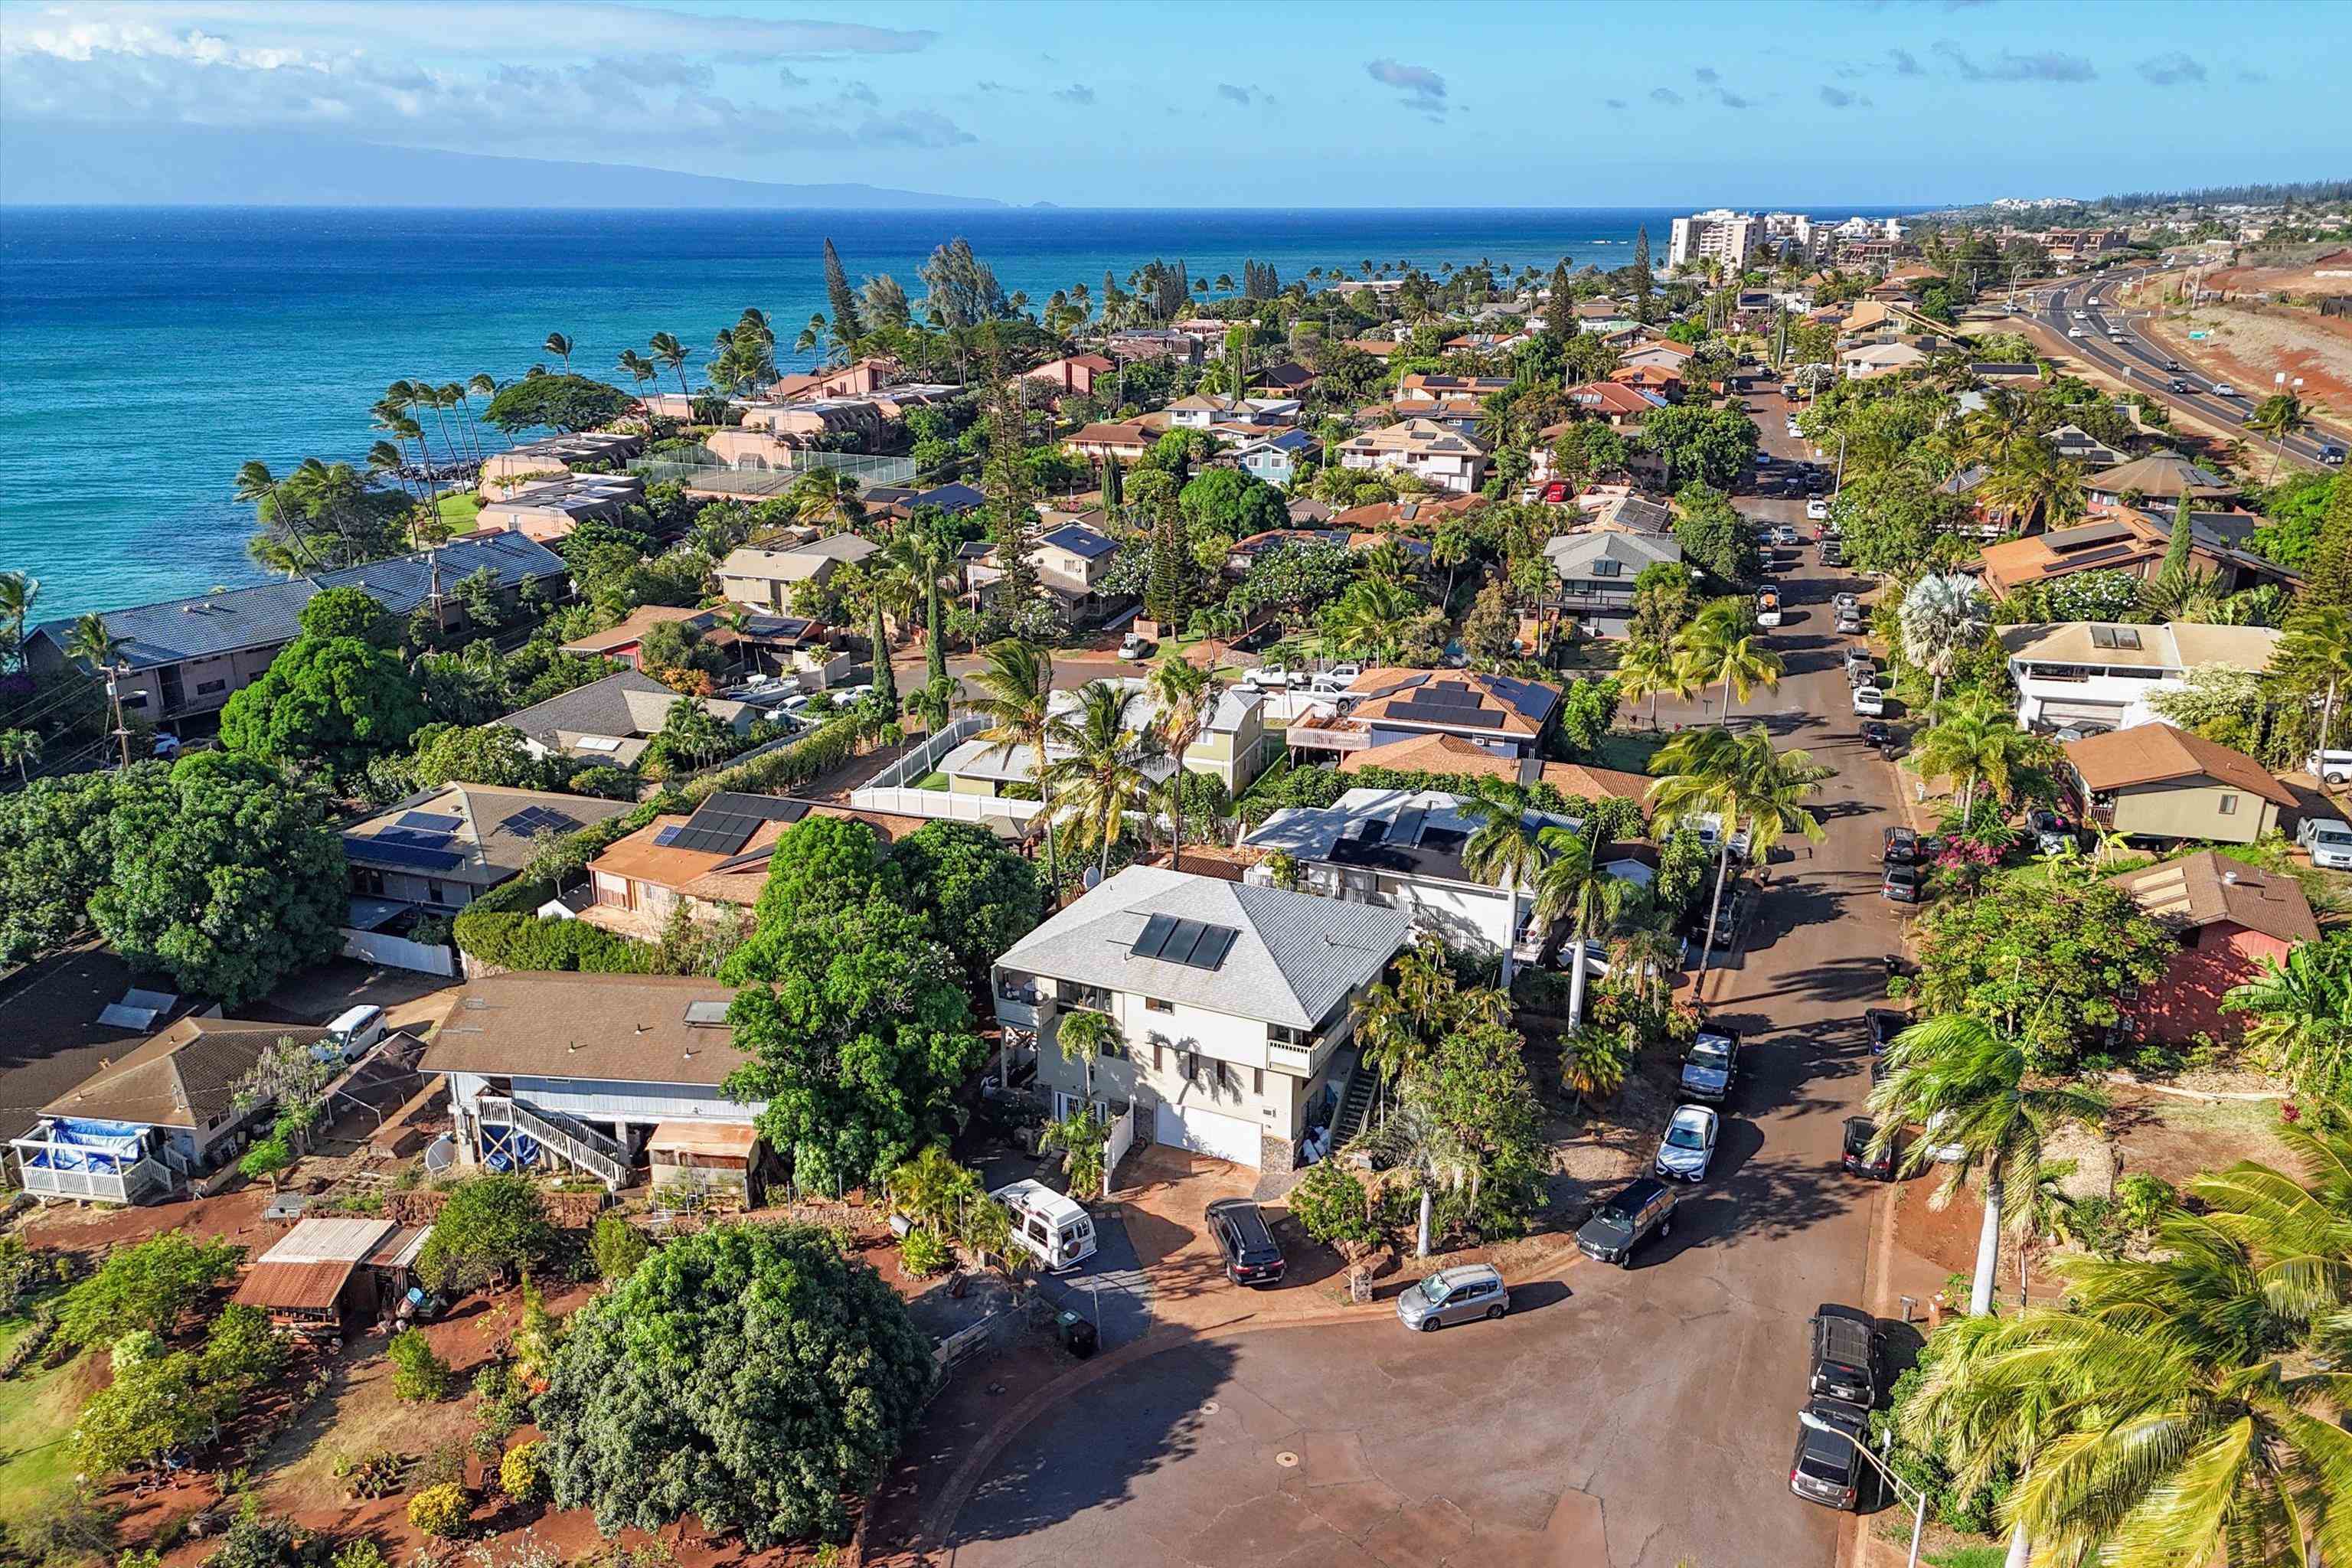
2251, 340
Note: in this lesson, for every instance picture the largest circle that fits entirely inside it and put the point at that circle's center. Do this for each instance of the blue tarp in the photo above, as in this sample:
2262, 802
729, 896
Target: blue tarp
109, 1146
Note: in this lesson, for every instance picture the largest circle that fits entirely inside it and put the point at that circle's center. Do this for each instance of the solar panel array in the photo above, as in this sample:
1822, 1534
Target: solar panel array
429, 821
383, 851
725, 823
531, 819
1193, 943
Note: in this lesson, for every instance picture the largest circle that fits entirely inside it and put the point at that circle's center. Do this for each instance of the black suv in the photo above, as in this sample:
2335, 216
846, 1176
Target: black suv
1885, 1023
1252, 1255
1847, 1343
1828, 1467
1645, 1208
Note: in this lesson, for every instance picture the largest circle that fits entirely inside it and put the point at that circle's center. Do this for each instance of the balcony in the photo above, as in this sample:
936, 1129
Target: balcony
1327, 732
59, 1168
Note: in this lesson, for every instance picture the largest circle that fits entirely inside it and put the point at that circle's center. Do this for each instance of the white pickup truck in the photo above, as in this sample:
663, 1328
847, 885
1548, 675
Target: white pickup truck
2329, 841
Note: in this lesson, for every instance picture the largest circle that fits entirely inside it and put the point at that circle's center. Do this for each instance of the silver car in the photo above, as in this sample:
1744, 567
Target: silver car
1453, 1296
1688, 1147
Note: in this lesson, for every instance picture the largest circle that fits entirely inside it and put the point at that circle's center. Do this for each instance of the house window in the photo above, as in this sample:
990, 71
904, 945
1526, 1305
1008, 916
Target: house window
433, 893
1605, 568
2229, 806
134, 699
1282, 1035
1154, 1004
207, 688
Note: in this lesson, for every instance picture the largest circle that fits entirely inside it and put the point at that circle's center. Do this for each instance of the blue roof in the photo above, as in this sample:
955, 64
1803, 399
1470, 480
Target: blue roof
1079, 541
205, 625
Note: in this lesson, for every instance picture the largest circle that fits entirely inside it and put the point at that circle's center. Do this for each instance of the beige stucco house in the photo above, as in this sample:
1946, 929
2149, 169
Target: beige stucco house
2153, 781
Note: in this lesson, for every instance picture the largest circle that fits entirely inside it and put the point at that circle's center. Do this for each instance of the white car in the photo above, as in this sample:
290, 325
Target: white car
1345, 674
2330, 766
1134, 645
1784, 534
1688, 1147
2081, 316
2223, 389
1817, 508
2094, 299
2073, 331
1844, 601
1267, 677
1869, 702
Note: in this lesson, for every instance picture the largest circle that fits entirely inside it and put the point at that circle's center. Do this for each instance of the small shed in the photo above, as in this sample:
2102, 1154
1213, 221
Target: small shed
327, 1274
718, 1157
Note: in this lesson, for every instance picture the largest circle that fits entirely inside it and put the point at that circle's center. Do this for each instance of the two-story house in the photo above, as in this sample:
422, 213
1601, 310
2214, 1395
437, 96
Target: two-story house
2158, 481
1429, 451
556, 456
1114, 440
766, 579
548, 509
1236, 743
611, 1076
2097, 675
1597, 568
1499, 713
710, 864
1073, 373
614, 720
1235, 1004
1276, 458
182, 659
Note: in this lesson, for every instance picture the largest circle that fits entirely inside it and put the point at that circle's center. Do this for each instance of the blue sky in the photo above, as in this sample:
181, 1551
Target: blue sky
1601, 103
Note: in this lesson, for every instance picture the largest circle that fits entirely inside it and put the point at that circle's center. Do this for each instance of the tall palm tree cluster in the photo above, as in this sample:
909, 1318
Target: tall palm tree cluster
1671, 653
1098, 760
2177, 1411
1736, 787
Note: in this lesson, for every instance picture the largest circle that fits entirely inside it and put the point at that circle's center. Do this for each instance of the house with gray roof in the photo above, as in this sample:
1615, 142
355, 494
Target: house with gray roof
612, 721
184, 658
1597, 568
1237, 1007
445, 847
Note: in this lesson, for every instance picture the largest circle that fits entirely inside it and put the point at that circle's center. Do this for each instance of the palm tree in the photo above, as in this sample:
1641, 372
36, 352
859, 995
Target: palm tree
1082, 1035
1977, 743
1185, 695
1103, 773
1647, 666
640, 369
1965, 1081
2279, 416
1015, 702
2302, 1019
1505, 850
1745, 787
2033, 483
2316, 652
91, 641
1942, 617
1721, 644
18, 591
21, 747
1371, 617
1414, 1138
1571, 885
559, 346
671, 354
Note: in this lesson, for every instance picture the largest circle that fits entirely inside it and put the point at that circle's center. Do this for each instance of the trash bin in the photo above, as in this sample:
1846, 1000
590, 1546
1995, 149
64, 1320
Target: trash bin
1078, 1335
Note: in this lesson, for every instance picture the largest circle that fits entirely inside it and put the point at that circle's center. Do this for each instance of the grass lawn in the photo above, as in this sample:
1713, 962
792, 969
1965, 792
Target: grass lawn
935, 779
36, 1412
1970, 1557
461, 510
1627, 751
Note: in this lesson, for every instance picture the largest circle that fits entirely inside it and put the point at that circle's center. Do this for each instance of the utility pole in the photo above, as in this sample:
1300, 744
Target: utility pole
121, 731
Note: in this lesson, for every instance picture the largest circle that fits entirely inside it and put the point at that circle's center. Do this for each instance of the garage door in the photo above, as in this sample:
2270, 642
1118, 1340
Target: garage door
1206, 1132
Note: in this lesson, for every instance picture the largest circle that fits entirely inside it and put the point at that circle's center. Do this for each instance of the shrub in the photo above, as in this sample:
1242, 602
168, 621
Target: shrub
923, 1254
492, 1228
520, 1474
527, 941
417, 1374
65, 1526
253, 1539
266, 1159
616, 1246
442, 1511
146, 1286
362, 1552
241, 1349
443, 1464
1330, 1205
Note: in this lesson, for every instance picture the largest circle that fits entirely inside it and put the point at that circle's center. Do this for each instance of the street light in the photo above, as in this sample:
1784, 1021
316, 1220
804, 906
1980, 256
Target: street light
1919, 1499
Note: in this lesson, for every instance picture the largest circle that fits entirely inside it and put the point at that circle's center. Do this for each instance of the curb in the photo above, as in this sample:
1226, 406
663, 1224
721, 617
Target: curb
934, 1523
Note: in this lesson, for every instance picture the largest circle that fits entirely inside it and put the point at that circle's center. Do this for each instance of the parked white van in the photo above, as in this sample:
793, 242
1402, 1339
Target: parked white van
2330, 843
1049, 1225
2330, 766
353, 1031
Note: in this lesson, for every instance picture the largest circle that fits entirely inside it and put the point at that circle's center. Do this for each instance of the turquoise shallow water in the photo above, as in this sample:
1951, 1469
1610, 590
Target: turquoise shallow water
145, 352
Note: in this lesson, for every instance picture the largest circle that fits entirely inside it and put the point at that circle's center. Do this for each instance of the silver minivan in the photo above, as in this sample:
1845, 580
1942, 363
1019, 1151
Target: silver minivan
1453, 1296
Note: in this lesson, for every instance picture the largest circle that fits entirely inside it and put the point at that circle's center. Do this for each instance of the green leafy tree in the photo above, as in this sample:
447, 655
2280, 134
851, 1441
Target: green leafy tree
56, 851
1714, 538
419, 1374
825, 1376
566, 402
1332, 1206
229, 879
491, 755
1714, 446
982, 896
852, 1009
492, 1228
148, 1286
335, 698
242, 1352
616, 1246
157, 1402
1230, 504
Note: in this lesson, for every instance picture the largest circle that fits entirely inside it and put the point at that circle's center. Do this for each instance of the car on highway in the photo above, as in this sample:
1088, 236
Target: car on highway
1252, 1255
2073, 331
1688, 1147
2177, 384
1902, 884
2081, 315
2331, 454
1829, 1468
2172, 365
2223, 389
1847, 1355
1453, 1296
1869, 701
1644, 1207
1860, 1133
1712, 1065
1818, 510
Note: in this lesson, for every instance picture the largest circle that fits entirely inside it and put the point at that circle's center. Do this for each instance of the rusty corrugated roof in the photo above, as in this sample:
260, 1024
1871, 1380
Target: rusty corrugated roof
313, 1286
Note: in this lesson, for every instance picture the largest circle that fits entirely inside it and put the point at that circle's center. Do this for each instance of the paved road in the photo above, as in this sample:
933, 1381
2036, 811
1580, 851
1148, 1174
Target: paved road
1640, 1418
2142, 364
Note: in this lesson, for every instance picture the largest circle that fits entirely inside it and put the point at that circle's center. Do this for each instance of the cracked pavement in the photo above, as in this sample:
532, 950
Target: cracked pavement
1640, 1418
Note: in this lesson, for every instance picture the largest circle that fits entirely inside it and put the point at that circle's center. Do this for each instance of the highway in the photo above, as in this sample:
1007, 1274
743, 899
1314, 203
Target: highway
2145, 366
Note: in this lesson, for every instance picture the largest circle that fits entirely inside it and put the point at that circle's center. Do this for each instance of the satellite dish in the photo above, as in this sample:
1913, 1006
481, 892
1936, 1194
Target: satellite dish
1093, 877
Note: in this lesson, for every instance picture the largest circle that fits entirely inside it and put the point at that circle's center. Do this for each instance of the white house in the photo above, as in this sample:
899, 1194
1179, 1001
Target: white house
1236, 743
1878, 359
1403, 849
1235, 1004
1424, 448
2101, 676
609, 1075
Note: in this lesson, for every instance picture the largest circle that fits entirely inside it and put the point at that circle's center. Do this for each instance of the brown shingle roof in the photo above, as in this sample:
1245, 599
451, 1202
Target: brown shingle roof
1432, 754
2159, 753
2208, 888
1497, 703
627, 1028
184, 1077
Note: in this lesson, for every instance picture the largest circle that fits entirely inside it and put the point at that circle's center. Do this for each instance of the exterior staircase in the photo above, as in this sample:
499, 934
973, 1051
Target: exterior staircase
1363, 1090
575, 1142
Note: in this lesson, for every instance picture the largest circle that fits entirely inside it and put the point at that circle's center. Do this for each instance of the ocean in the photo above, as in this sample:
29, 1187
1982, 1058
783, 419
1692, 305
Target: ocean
146, 352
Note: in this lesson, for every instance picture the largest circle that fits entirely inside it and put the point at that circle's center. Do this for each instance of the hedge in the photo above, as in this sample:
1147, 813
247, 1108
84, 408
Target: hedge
527, 941
788, 768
